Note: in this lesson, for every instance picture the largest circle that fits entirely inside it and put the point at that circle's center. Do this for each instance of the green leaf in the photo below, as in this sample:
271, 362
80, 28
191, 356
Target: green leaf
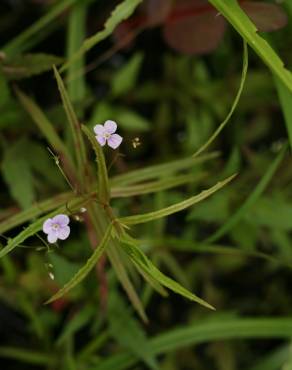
21, 42
75, 128
132, 121
252, 198
128, 332
103, 183
204, 332
154, 186
114, 255
125, 79
133, 220
132, 248
120, 13
231, 10
76, 33
160, 170
84, 271
24, 66
285, 97
18, 175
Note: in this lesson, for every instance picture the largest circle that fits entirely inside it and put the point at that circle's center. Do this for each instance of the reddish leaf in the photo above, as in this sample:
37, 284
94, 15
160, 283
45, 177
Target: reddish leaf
267, 17
196, 35
157, 11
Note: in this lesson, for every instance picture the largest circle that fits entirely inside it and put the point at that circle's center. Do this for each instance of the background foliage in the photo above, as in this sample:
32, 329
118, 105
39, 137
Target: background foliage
194, 108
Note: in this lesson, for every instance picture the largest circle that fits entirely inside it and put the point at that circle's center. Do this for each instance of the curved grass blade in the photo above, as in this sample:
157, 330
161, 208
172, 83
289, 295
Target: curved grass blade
285, 97
258, 190
120, 13
231, 10
133, 220
160, 170
234, 105
203, 332
132, 248
102, 176
84, 271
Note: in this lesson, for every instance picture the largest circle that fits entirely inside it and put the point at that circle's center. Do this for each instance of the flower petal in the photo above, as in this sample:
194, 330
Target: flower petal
47, 226
101, 140
63, 232
52, 237
98, 129
114, 141
110, 126
61, 220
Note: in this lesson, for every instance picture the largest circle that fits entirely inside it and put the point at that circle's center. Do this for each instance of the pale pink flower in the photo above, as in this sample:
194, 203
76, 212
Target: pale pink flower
106, 134
57, 228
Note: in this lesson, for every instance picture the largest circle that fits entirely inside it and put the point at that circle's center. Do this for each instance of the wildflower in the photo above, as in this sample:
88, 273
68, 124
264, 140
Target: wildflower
57, 228
106, 134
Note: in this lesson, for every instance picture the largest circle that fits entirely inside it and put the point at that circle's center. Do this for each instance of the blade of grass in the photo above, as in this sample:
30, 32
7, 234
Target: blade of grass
285, 97
160, 170
234, 104
252, 198
84, 271
231, 10
212, 330
133, 220
123, 11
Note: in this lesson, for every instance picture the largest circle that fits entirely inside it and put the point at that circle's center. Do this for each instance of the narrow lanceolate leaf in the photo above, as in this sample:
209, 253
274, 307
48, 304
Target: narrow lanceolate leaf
115, 258
103, 183
154, 186
75, 127
160, 170
132, 248
146, 217
48, 130
231, 10
120, 13
285, 97
37, 225
234, 104
24, 66
253, 197
84, 271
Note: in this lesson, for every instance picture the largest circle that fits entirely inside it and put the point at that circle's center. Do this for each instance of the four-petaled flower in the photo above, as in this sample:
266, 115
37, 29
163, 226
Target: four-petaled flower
57, 228
106, 134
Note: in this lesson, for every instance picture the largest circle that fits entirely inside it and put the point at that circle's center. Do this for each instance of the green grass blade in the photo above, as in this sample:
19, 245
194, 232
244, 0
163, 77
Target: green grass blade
231, 10
285, 97
132, 248
116, 261
48, 130
253, 197
120, 13
102, 176
133, 220
160, 170
79, 146
27, 356
154, 186
18, 45
84, 271
234, 104
197, 333
76, 33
